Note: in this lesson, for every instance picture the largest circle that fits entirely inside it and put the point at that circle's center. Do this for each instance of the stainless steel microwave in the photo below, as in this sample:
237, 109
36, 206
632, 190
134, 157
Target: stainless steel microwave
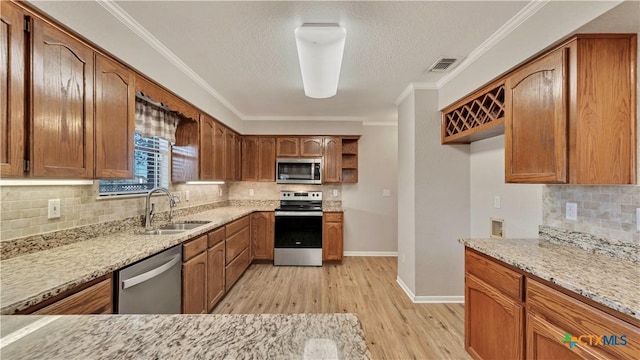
298, 171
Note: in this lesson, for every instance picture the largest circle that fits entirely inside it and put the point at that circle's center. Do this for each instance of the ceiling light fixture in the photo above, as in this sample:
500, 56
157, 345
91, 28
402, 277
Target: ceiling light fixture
320, 48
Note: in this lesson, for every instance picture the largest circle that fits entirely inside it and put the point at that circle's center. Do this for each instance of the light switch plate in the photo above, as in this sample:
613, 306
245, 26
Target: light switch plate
572, 211
251, 192
496, 202
386, 192
54, 209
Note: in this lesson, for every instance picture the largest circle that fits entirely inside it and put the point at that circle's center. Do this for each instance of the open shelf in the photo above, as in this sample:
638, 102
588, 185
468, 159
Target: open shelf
350, 159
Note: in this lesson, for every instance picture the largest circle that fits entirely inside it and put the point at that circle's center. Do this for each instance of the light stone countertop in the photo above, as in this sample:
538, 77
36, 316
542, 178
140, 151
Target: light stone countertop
257, 336
612, 282
29, 279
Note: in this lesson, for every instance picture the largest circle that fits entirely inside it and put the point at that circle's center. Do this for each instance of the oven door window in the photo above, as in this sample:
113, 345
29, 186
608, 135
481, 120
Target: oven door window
295, 171
298, 232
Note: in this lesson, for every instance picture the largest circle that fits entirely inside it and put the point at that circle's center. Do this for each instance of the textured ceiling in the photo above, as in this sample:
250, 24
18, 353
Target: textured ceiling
246, 50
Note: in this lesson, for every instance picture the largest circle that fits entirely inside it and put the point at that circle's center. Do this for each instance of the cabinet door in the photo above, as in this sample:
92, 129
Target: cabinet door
267, 159
262, 235
184, 154
250, 158
288, 147
207, 127
215, 275
12, 95
219, 159
115, 119
311, 146
332, 237
494, 323
237, 161
536, 122
332, 160
230, 149
545, 341
62, 119
194, 285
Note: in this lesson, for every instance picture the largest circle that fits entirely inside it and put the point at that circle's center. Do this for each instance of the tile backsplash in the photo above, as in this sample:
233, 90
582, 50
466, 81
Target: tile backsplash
24, 208
271, 190
607, 211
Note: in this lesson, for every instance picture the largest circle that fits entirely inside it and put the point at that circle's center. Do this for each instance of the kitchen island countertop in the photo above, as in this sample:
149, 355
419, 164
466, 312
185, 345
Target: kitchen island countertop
255, 336
612, 282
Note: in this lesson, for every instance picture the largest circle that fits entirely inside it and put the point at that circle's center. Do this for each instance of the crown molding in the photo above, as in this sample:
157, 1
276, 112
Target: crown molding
416, 86
303, 118
156, 44
518, 19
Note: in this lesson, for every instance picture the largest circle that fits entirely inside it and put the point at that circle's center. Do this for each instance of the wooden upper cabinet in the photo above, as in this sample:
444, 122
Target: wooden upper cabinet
62, 119
184, 153
311, 146
250, 158
114, 119
231, 149
332, 160
536, 121
602, 109
288, 147
571, 114
12, 94
267, 156
219, 159
207, 127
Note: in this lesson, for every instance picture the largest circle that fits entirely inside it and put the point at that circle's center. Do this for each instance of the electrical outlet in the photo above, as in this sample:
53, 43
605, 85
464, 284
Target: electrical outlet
251, 192
638, 219
386, 192
496, 202
186, 195
54, 209
403, 259
220, 192
571, 211
335, 193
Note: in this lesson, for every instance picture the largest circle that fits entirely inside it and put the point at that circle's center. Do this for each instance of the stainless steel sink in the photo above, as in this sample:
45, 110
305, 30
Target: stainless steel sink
163, 232
186, 225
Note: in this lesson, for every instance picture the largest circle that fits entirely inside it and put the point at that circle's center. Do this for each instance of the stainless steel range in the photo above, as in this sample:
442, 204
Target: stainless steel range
298, 230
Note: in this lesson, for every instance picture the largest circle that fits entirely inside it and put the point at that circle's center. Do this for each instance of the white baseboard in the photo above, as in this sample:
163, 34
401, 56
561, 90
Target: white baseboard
371, 253
429, 299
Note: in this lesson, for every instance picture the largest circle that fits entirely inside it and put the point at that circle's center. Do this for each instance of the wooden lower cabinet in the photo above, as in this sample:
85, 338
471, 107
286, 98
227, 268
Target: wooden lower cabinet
236, 268
496, 326
262, 235
96, 299
215, 275
494, 323
332, 236
194, 285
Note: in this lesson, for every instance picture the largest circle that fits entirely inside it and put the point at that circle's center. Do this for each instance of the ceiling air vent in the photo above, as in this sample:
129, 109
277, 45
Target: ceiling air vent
442, 64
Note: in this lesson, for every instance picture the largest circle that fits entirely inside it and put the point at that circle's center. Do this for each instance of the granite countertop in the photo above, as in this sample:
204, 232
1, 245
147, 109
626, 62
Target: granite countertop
261, 336
612, 282
29, 279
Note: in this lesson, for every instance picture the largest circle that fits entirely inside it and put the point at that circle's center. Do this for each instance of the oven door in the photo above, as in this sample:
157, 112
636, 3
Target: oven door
298, 238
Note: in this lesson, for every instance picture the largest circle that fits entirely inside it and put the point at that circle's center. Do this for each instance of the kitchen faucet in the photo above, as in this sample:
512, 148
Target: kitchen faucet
173, 200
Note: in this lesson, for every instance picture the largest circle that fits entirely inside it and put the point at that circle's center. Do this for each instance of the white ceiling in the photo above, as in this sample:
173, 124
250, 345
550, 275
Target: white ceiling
246, 50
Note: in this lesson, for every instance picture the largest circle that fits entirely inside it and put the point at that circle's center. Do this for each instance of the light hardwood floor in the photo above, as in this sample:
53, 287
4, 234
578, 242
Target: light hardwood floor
394, 327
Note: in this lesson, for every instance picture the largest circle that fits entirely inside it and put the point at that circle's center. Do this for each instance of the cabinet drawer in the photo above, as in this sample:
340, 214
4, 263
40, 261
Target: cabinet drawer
194, 247
234, 270
496, 275
236, 244
216, 236
577, 318
92, 300
332, 217
237, 225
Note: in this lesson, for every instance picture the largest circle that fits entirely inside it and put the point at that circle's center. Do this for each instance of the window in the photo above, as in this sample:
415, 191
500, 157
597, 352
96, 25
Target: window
150, 168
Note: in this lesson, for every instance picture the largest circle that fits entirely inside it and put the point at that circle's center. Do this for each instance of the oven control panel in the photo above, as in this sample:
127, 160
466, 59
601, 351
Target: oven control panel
301, 195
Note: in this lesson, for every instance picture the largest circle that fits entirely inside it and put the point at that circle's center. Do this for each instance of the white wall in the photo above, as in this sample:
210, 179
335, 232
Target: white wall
407, 193
441, 205
521, 204
371, 220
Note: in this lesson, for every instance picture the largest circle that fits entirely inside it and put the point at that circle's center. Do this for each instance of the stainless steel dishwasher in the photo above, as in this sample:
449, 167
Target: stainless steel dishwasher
153, 285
